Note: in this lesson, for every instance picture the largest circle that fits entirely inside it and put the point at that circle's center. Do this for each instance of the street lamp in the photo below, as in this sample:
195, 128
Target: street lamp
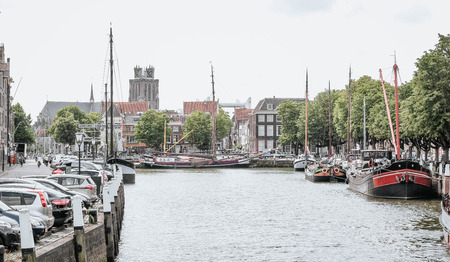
79, 140
92, 149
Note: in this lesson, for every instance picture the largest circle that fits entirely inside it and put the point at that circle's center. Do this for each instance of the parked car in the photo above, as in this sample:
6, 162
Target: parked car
9, 233
79, 183
37, 224
35, 200
61, 203
55, 186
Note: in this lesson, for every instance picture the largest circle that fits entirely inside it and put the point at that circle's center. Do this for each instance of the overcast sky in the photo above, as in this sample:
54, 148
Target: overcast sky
259, 48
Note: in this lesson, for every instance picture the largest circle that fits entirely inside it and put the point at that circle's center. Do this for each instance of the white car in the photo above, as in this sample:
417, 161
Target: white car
35, 200
79, 183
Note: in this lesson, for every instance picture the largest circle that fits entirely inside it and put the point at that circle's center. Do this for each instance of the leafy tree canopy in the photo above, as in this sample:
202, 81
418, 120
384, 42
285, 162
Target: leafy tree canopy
201, 123
150, 129
22, 124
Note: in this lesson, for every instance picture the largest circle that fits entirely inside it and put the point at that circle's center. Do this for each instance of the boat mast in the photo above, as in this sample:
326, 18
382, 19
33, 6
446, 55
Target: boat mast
111, 87
396, 108
106, 120
364, 124
214, 112
388, 111
329, 119
306, 115
348, 119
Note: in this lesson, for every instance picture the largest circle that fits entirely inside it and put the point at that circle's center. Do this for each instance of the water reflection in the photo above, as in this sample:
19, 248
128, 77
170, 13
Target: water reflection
270, 215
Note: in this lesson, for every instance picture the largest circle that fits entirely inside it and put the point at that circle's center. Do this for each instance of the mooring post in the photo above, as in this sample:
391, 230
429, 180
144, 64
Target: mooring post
109, 237
113, 195
26, 237
78, 230
2, 253
446, 179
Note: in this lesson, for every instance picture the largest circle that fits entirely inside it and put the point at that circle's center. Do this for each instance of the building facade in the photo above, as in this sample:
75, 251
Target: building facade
4, 93
144, 87
265, 125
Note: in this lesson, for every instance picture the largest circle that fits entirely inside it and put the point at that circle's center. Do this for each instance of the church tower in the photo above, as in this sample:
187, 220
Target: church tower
144, 87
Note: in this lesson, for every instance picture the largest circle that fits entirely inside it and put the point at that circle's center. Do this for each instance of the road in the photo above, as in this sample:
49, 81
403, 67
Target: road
30, 168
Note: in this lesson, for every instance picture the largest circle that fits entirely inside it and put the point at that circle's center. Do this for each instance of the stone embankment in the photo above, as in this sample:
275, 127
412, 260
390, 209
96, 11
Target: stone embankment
95, 240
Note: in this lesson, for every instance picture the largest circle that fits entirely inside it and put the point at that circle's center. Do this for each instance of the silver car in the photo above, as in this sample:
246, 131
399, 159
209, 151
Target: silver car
83, 184
35, 200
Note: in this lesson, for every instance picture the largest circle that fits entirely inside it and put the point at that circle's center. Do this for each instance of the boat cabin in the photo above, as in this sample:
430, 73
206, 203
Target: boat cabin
367, 155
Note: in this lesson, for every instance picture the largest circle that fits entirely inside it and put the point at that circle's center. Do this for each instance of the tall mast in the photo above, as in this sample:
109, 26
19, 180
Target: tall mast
329, 119
396, 109
106, 120
364, 125
348, 119
306, 115
111, 64
388, 111
214, 112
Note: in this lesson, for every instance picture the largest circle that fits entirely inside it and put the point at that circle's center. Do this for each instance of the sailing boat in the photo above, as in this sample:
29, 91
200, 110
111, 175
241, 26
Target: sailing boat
384, 177
167, 160
302, 161
127, 167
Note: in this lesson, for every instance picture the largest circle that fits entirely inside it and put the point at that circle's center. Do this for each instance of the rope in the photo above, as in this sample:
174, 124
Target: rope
118, 73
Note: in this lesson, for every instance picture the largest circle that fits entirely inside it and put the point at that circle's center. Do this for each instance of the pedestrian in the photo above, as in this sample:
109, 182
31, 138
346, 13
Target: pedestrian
21, 160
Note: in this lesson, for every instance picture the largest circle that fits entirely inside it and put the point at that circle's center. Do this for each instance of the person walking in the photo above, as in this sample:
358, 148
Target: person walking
21, 160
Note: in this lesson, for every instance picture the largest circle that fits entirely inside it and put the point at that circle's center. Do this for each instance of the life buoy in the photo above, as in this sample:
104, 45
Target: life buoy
371, 162
324, 170
336, 170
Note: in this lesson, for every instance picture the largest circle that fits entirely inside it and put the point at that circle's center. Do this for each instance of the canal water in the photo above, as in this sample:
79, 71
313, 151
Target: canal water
270, 215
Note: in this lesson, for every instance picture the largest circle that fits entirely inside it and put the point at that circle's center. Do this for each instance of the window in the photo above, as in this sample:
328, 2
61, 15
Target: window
131, 139
29, 199
261, 145
11, 198
69, 181
128, 128
175, 129
269, 106
260, 130
278, 118
269, 144
175, 138
270, 130
269, 118
278, 130
261, 118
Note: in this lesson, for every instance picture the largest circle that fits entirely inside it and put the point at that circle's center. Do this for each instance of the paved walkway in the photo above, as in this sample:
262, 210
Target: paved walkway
30, 168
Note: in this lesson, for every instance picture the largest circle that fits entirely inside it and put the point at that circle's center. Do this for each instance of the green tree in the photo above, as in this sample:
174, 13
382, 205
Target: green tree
201, 123
290, 112
66, 122
223, 124
150, 129
432, 93
22, 124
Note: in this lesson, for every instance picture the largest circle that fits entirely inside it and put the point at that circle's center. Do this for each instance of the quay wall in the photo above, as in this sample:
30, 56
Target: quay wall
63, 249
273, 162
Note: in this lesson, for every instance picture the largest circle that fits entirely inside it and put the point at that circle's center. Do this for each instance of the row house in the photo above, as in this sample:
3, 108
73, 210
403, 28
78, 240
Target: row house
240, 134
265, 125
5, 80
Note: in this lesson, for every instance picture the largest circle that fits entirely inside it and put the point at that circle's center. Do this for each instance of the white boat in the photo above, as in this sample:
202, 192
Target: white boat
301, 162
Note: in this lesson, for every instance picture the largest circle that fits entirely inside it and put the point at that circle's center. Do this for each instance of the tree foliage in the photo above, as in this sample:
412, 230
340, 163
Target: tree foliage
223, 124
22, 124
66, 122
201, 123
150, 129
290, 112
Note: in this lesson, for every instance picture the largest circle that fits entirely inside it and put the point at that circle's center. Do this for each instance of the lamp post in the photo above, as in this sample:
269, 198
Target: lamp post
92, 149
79, 141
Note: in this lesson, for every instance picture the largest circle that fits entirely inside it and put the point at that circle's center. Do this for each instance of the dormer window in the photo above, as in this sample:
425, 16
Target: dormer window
269, 106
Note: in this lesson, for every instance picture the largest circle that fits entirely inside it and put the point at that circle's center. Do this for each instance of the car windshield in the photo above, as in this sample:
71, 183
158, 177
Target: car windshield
5, 206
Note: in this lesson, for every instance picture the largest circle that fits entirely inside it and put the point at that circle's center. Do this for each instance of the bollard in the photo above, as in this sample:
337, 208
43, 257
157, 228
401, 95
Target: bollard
114, 217
2, 253
78, 230
109, 236
26, 237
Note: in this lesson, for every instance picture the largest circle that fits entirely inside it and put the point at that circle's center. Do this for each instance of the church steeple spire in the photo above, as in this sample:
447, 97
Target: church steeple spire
92, 94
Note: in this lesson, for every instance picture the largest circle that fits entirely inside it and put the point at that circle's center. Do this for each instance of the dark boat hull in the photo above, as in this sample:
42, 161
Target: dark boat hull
404, 179
318, 175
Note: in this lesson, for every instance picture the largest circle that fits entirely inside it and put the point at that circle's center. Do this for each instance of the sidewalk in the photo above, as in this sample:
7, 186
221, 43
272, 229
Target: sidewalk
29, 168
